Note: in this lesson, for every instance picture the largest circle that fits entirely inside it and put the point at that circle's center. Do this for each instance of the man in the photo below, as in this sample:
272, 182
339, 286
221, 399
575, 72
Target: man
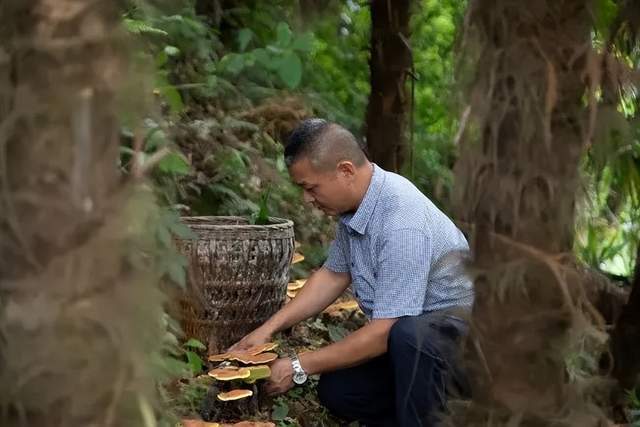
403, 259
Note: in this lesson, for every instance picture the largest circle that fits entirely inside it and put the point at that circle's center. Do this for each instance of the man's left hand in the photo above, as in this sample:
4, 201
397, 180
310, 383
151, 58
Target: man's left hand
281, 379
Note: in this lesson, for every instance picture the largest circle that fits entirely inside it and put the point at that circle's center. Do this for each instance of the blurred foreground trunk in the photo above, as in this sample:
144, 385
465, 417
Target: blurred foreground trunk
517, 180
78, 323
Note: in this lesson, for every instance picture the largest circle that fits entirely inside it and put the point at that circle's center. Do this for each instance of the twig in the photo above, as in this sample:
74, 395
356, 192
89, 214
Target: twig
152, 161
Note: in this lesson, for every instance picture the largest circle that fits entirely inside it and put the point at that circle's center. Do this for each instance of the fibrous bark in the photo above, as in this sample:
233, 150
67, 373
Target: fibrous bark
390, 66
517, 180
78, 321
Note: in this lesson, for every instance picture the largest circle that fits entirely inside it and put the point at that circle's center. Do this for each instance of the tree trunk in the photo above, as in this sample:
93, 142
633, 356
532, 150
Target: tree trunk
389, 101
78, 323
626, 336
517, 178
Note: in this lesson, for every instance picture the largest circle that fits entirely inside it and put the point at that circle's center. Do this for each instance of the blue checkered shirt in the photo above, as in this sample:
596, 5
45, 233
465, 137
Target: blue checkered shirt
404, 255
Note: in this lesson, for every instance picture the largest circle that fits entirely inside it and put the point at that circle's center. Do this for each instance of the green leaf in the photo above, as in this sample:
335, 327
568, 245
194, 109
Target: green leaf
212, 81
263, 58
290, 70
232, 63
336, 332
283, 33
280, 411
262, 216
173, 98
171, 50
605, 13
177, 274
194, 343
164, 235
182, 231
244, 38
174, 163
304, 42
161, 59
136, 26
155, 138
194, 361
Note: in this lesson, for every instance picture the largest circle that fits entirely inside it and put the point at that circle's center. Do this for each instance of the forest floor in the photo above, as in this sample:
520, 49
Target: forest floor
300, 406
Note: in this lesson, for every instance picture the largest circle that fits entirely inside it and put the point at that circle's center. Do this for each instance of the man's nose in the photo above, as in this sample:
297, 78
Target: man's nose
308, 198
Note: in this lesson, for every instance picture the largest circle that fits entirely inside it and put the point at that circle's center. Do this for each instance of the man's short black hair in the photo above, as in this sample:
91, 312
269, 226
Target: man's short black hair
302, 138
323, 143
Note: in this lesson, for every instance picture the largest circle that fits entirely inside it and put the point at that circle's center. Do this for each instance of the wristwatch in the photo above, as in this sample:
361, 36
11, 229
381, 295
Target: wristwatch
299, 375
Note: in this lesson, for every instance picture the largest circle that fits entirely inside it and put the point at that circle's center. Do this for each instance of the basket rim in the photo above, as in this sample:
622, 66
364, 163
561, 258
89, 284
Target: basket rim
202, 224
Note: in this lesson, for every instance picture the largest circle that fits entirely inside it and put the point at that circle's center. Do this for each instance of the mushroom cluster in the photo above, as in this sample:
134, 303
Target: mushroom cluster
294, 287
255, 368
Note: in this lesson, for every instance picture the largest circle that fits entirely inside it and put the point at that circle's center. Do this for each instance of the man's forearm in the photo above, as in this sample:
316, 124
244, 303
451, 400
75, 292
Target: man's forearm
320, 290
364, 344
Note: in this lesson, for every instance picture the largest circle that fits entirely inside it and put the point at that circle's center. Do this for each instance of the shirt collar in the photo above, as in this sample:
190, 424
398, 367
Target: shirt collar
358, 221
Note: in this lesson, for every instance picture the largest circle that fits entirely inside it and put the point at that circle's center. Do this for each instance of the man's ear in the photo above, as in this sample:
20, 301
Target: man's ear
346, 169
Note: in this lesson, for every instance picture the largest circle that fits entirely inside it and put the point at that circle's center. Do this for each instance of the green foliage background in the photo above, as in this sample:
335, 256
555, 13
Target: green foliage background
208, 75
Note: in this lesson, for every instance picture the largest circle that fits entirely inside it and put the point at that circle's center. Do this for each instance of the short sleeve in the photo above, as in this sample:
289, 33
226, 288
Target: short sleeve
403, 263
338, 258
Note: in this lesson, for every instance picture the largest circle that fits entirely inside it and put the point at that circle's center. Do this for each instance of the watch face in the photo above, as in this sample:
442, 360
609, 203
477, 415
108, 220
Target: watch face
299, 378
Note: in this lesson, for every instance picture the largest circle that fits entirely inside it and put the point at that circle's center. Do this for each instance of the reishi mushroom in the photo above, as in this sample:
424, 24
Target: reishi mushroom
258, 359
235, 395
230, 374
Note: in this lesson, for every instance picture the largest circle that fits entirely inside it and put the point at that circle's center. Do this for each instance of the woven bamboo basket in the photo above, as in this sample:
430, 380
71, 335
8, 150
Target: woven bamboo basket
237, 277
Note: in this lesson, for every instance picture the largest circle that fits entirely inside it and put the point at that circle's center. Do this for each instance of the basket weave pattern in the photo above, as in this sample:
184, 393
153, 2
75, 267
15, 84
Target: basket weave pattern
237, 277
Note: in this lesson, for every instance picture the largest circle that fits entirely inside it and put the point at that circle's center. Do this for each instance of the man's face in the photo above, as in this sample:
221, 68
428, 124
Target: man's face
328, 191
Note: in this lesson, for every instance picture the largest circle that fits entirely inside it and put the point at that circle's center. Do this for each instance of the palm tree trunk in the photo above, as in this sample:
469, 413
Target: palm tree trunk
517, 179
389, 100
78, 322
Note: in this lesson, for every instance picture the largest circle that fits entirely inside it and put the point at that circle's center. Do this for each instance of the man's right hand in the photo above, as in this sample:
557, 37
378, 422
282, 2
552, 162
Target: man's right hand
257, 337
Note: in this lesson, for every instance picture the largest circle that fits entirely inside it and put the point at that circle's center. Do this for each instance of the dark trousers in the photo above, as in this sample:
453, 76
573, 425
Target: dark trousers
408, 385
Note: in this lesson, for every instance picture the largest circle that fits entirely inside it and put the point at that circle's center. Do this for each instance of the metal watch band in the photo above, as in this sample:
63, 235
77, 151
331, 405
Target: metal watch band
298, 371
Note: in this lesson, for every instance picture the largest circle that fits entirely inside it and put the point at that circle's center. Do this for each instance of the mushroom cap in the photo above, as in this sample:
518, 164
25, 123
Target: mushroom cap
349, 305
197, 423
257, 349
292, 294
254, 424
297, 257
219, 357
230, 374
296, 285
235, 395
258, 359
